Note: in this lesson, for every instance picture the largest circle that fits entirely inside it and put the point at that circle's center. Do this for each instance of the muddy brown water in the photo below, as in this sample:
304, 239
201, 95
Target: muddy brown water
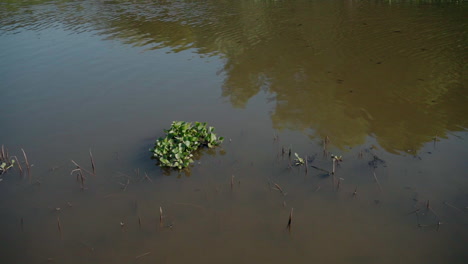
384, 81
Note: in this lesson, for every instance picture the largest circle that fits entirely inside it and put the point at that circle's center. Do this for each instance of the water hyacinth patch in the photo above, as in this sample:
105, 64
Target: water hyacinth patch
182, 139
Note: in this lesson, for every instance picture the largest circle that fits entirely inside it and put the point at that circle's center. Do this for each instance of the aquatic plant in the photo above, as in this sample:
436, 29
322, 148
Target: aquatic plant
182, 139
298, 160
4, 166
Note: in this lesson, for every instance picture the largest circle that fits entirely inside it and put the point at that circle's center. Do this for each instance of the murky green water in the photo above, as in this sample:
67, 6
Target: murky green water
384, 81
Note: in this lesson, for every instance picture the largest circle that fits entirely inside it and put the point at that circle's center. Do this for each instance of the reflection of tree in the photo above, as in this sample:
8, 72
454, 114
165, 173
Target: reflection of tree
344, 71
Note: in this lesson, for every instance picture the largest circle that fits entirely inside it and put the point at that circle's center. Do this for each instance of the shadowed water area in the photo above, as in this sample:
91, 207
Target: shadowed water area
380, 83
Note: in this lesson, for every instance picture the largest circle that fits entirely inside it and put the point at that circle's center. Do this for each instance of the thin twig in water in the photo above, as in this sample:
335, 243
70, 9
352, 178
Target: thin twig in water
142, 255
126, 185
2, 157
81, 168
454, 207
27, 164
306, 164
59, 226
148, 178
339, 183
280, 189
82, 180
320, 169
92, 162
290, 220
429, 208
232, 182
18, 162
377, 181
160, 216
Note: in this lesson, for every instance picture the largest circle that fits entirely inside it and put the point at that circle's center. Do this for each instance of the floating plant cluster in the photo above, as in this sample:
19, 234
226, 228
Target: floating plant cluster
182, 139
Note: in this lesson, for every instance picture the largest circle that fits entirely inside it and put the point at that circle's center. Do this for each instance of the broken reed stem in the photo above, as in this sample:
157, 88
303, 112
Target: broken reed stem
81, 168
306, 164
2, 157
59, 226
126, 185
333, 169
454, 207
148, 178
92, 162
338, 184
19, 165
82, 180
290, 220
326, 140
142, 255
160, 216
280, 189
377, 181
27, 164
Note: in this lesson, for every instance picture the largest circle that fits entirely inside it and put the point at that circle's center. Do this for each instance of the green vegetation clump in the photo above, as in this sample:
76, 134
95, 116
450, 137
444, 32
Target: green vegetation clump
182, 139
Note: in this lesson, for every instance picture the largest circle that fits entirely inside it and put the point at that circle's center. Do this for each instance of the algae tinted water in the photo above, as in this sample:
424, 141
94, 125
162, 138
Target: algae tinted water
384, 81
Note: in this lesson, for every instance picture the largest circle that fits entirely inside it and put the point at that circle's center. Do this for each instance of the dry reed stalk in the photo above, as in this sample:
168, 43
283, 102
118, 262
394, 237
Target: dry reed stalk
377, 181
280, 189
320, 169
19, 165
27, 164
333, 168
142, 255
2, 154
82, 180
290, 220
306, 164
92, 162
148, 178
59, 226
429, 208
126, 185
81, 168
160, 216
232, 182
454, 207
325, 141
7, 157
339, 183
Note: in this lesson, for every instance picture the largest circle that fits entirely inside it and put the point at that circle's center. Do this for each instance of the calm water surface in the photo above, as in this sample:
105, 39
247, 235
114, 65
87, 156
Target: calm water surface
384, 81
